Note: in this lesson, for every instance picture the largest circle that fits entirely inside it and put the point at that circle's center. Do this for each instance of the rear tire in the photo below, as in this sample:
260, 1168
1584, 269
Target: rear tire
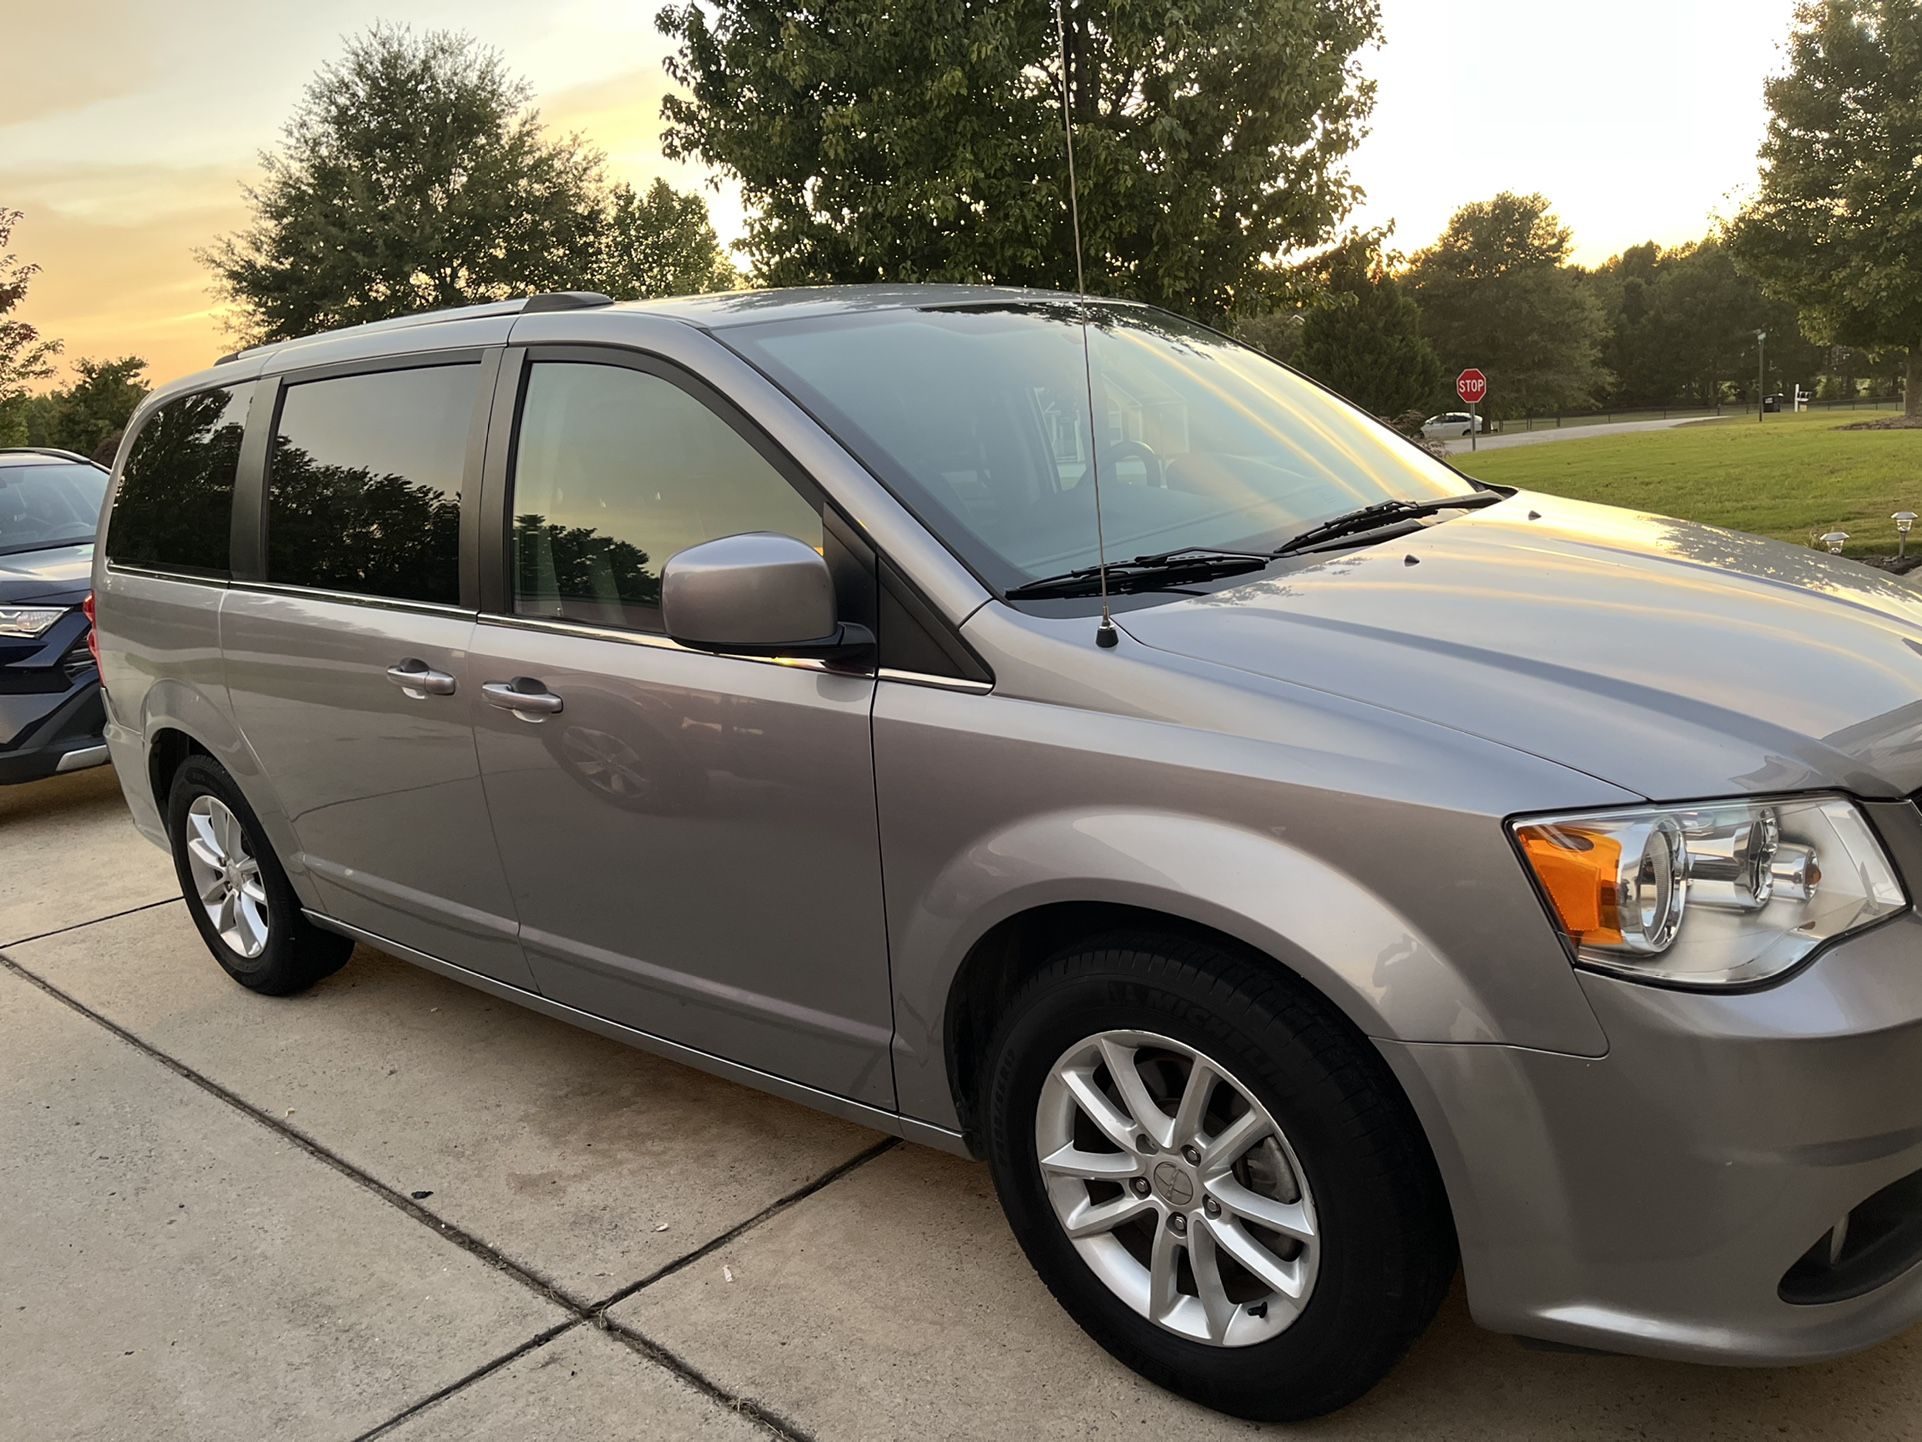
236, 892
1374, 1250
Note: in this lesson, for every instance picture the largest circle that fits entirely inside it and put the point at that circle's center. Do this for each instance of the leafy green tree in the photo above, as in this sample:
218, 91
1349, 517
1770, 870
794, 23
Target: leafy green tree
1836, 228
1366, 340
921, 140
415, 174
659, 242
1637, 349
1496, 292
97, 405
24, 354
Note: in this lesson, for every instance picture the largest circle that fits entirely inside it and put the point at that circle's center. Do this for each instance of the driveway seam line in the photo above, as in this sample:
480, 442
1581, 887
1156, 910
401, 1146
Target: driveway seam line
82, 925
578, 1311
767, 1213
642, 1345
486, 1369
448, 1231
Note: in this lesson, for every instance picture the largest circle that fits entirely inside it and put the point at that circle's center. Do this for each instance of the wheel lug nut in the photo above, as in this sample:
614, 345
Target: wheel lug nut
1193, 1156
1141, 1186
1177, 1223
1211, 1206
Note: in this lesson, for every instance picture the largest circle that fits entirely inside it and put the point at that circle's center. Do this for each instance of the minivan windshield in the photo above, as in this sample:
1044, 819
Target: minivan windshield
978, 418
57, 504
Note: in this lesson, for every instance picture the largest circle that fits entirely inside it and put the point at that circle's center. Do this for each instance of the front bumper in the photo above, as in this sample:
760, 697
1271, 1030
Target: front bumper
55, 732
1653, 1199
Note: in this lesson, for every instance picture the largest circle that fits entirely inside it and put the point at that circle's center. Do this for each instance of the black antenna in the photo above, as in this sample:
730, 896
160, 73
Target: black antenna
1105, 634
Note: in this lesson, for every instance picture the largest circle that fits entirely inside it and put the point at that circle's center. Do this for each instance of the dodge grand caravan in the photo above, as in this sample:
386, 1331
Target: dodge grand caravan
1411, 872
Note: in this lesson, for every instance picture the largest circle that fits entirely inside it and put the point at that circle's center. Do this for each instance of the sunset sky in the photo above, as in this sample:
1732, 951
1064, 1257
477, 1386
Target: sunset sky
127, 128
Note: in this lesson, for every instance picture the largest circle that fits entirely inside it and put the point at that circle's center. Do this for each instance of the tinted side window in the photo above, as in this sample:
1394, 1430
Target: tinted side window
174, 507
363, 491
615, 471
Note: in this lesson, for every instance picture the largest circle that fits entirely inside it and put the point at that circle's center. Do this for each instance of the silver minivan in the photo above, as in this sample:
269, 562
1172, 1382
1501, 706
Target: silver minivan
1365, 870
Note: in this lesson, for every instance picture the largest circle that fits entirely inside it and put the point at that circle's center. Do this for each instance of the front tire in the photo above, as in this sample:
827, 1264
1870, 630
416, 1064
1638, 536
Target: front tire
1215, 1176
236, 892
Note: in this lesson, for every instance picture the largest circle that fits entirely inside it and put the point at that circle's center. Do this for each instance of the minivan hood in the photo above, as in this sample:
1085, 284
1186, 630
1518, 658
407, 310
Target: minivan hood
58, 573
1672, 659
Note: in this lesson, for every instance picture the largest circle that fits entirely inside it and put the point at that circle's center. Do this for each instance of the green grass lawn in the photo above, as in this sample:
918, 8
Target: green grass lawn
1787, 477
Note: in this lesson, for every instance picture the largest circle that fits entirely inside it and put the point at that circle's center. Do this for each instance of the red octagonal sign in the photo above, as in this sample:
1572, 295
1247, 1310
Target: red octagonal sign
1471, 385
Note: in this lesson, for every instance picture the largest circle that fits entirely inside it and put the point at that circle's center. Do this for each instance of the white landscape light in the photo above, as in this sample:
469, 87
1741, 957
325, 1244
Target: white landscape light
1904, 523
1835, 541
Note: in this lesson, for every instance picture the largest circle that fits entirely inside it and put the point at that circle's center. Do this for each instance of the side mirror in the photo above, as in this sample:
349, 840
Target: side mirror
760, 594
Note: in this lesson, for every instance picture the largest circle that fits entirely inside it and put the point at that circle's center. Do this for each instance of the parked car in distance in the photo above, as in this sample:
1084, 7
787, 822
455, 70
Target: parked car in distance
1452, 423
50, 716
1366, 868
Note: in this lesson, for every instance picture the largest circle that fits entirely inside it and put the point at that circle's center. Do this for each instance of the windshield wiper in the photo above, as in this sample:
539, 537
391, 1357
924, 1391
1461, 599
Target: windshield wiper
1146, 573
1381, 515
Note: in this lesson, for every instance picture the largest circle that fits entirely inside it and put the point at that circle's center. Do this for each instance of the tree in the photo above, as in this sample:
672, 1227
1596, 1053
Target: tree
1638, 347
660, 243
1496, 292
923, 140
24, 355
1836, 228
97, 405
1366, 339
414, 174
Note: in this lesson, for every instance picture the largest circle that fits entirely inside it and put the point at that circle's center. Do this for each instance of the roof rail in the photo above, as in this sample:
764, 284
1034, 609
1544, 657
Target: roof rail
53, 451
550, 301
565, 300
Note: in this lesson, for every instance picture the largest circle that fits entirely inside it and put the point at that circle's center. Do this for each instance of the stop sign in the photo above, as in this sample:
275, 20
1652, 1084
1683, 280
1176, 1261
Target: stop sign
1471, 385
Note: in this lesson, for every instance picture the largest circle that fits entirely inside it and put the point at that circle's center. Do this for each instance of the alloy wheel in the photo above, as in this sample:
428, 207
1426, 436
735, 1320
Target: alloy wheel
1177, 1188
226, 875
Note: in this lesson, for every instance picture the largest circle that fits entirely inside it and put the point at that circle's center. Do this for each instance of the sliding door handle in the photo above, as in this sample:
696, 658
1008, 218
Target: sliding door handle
418, 679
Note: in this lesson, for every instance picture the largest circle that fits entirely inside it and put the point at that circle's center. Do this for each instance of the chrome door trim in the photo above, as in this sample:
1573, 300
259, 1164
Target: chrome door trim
119, 568
654, 641
942, 683
861, 1113
352, 598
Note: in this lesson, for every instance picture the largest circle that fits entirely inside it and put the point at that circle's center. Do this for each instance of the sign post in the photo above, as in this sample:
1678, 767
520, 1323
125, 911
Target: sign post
1472, 386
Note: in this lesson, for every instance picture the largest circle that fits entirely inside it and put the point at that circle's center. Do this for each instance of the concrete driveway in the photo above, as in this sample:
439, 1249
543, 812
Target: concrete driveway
395, 1206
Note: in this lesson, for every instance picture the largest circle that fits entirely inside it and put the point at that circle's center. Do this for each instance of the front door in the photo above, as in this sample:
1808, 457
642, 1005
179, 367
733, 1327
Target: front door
690, 840
347, 659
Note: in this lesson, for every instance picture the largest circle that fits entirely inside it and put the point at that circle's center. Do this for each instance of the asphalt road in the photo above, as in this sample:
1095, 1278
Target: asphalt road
1575, 433
395, 1206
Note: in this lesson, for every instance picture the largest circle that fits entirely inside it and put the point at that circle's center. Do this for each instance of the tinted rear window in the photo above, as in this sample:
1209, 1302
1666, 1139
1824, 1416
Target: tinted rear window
174, 507
364, 487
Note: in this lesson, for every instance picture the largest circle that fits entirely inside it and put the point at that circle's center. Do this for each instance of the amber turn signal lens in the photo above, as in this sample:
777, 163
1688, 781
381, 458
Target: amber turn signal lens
1579, 869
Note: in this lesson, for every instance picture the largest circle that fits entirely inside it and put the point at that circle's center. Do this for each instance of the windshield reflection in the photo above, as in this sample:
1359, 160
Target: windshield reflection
989, 421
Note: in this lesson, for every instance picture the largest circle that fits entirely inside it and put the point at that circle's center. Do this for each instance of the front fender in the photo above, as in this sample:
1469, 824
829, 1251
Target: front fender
1363, 851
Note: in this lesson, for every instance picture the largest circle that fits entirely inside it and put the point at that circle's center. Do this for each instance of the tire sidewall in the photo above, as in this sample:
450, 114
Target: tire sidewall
1357, 1233
198, 777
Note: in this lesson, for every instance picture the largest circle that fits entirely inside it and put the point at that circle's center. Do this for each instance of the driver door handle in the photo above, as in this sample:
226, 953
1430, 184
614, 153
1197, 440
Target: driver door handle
418, 679
523, 695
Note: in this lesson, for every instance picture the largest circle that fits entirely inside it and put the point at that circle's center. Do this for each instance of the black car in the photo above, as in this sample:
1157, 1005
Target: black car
50, 710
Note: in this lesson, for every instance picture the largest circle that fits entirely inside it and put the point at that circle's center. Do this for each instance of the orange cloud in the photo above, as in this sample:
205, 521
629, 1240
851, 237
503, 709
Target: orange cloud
115, 246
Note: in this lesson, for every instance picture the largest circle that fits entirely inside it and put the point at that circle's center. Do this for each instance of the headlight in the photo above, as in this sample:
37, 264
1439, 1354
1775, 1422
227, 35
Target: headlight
1723, 894
28, 620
